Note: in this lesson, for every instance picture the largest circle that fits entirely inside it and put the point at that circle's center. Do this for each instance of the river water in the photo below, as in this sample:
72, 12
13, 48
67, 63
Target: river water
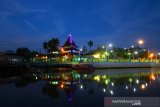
77, 88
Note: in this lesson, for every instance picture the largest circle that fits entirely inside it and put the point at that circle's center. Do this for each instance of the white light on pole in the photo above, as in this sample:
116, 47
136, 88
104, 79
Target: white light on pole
135, 52
110, 45
140, 42
81, 49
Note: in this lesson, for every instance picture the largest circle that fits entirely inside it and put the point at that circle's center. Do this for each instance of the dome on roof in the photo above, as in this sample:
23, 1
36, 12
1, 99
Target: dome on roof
69, 41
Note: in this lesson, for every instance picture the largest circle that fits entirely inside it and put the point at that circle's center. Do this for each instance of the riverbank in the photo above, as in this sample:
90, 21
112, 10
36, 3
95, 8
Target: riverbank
114, 65
96, 65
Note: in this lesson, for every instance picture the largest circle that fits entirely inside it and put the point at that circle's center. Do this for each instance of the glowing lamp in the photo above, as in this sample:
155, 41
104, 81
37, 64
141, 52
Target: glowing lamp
152, 77
111, 92
134, 89
62, 49
110, 45
81, 86
97, 78
107, 81
137, 81
136, 52
126, 87
151, 55
130, 80
81, 49
140, 42
104, 90
143, 86
112, 84
62, 86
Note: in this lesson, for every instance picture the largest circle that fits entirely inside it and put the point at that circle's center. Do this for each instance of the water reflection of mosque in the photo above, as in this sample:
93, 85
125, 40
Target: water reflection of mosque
69, 82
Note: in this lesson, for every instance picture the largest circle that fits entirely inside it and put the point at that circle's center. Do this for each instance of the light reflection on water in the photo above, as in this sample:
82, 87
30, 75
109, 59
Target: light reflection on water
79, 88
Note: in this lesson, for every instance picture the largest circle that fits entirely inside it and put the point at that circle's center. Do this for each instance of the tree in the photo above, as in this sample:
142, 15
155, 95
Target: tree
51, 45
135, 49
24, 52
119, 53
90, 44
34, 53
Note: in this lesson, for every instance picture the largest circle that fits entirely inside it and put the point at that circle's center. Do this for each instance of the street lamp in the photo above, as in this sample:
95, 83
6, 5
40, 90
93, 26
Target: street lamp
132, 46
110, 45
140, 42
81, 49
135, 52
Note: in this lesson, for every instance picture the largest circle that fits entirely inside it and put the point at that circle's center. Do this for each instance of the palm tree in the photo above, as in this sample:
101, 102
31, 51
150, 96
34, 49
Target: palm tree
90, 44
53, 44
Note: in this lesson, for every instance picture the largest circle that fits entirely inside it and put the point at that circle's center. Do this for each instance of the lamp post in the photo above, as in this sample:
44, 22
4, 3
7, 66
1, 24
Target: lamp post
109, 46
141, 42
135, 53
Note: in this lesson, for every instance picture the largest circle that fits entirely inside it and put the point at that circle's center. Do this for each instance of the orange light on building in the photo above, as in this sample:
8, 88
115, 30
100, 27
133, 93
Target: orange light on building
44, 57
62, 49
151, 55
62, 86
152, 77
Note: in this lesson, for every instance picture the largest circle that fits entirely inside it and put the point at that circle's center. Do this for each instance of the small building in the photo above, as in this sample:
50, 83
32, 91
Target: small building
69, 49
10, 58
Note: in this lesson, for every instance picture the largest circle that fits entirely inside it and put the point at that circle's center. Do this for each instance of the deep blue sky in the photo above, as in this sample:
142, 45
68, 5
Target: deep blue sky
121, 22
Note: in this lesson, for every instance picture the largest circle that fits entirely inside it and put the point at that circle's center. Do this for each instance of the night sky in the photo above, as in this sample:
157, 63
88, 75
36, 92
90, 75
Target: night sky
120, 22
